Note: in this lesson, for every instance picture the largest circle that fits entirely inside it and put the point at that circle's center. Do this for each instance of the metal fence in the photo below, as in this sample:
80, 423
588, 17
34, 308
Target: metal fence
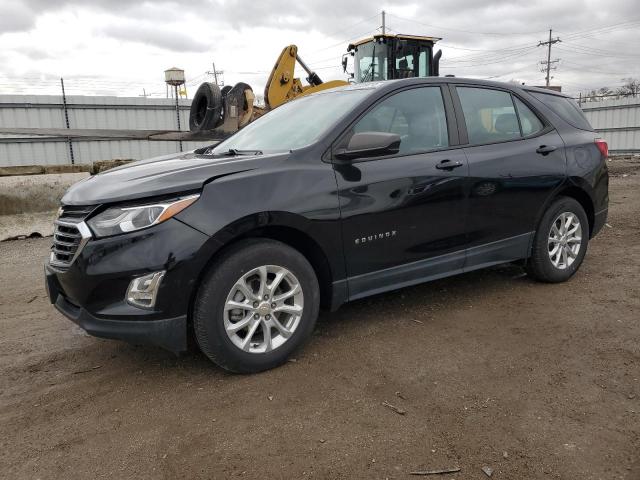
617, 121
47, 111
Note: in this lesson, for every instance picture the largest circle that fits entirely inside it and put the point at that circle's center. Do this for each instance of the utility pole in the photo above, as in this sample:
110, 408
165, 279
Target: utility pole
215, 74
384, 26
548, 62
66, 120
178, 113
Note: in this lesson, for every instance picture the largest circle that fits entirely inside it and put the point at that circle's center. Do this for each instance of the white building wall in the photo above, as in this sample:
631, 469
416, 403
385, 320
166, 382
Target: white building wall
46, 111
617, 121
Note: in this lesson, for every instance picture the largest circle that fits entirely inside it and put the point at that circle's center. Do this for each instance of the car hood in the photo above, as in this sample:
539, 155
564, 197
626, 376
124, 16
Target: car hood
169, 174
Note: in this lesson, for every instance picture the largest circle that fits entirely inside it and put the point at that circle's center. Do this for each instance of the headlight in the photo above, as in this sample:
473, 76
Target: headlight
116, 220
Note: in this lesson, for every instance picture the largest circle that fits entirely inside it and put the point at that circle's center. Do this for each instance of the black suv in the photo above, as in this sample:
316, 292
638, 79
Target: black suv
329, 198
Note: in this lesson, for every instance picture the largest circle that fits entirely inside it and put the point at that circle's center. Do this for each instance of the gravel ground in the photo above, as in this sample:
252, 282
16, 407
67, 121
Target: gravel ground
491, 368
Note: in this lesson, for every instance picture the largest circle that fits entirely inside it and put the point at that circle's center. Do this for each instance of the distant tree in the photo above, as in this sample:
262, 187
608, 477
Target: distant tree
589, 96
631, 87
605, 92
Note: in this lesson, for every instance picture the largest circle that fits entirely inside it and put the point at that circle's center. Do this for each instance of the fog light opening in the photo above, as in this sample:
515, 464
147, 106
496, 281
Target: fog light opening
143, 291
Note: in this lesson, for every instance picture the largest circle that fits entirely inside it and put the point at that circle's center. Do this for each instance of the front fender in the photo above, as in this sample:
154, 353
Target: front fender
302, 197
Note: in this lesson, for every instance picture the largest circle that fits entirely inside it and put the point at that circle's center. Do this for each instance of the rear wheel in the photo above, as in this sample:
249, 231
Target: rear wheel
560, 243
256, 306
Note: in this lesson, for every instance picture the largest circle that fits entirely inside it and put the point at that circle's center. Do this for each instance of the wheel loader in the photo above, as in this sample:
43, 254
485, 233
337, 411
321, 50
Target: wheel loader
376, 58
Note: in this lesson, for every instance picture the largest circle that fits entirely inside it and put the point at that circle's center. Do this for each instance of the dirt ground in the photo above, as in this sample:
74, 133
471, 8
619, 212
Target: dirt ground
492, 369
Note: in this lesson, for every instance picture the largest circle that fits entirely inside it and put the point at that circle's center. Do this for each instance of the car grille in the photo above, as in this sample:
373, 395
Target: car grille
69, 235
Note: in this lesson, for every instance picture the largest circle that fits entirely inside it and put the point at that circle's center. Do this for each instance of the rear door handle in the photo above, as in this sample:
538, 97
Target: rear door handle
448, 165
545, 149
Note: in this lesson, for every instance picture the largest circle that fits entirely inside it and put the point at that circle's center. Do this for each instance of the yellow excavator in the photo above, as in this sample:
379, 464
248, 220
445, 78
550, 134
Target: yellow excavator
376, 58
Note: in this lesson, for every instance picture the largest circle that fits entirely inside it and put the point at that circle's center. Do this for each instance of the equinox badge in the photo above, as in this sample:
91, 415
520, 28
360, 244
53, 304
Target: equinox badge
375, 236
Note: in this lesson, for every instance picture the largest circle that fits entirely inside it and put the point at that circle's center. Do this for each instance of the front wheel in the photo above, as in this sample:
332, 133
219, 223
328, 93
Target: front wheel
560, 242
256, 306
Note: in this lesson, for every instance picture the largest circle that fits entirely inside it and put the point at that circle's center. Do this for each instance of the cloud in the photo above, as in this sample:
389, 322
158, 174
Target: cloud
15, 18
158, 37
36, 53
481, 38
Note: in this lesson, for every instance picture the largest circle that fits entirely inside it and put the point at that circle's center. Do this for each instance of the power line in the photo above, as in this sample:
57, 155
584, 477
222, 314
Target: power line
587, 68
590, 54
600, 30
508, 73
483, 59
438, 27
355, 37
352, 25
598, 52
480, 62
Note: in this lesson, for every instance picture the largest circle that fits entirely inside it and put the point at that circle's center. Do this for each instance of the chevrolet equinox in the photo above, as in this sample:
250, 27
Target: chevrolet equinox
329, 198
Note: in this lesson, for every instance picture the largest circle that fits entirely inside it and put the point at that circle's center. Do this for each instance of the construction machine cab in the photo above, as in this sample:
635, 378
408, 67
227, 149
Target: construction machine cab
387, 57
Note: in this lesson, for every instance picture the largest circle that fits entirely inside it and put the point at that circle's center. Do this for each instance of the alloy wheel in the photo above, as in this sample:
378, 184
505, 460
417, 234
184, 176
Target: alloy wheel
565, 240
263, 309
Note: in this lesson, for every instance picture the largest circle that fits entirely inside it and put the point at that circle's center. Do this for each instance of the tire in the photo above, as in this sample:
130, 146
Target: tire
225, 90
212, 317
238, 91
548, 263
206, 108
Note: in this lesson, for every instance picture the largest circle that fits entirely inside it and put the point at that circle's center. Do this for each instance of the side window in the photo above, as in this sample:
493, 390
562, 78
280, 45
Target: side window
417, 115
423, 64
384, 118
404, 66
566, 108
529, 121
489, 115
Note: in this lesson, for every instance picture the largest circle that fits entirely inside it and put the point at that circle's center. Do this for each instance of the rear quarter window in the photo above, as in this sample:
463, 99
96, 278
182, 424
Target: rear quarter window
566, 108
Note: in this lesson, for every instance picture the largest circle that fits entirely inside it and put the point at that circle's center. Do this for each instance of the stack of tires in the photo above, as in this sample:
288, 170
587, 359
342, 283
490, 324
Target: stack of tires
210, 105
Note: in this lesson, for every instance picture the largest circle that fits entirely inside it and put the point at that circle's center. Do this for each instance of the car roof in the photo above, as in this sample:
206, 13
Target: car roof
393, 84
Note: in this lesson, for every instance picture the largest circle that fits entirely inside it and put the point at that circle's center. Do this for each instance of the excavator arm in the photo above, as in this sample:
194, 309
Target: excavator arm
282, 85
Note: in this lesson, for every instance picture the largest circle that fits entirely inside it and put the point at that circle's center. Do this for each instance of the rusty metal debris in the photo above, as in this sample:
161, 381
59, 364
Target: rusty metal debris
398, 410
436, 472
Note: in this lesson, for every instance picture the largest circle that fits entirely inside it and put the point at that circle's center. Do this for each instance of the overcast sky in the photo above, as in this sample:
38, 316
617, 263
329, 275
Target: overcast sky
120, 47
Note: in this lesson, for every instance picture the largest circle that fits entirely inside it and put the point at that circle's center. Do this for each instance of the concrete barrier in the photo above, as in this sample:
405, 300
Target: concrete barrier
95, 167
30, 195
28, 203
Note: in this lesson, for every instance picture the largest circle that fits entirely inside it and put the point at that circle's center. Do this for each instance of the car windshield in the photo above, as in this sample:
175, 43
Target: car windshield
295, 124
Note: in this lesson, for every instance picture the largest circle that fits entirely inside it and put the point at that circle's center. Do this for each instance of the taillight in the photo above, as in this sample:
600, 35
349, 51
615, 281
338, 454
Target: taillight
603, 147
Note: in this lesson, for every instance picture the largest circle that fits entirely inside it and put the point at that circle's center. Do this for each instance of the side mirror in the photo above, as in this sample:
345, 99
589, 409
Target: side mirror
344, 62
370, 144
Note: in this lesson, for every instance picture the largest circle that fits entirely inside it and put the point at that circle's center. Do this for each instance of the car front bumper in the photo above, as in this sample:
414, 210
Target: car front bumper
92, 291
169, 333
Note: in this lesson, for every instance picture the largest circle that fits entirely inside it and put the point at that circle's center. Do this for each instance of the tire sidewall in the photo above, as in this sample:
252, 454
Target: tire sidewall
209, 306
210, 93
541, 249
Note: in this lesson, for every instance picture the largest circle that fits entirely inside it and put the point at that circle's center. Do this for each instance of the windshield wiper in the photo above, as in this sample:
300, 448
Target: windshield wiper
232, 152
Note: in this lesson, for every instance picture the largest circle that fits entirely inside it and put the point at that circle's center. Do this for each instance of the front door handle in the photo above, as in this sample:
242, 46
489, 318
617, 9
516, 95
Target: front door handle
448, 165
545, 149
